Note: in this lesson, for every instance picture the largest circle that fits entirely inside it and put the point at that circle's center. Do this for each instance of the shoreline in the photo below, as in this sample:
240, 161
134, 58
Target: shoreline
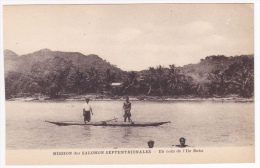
133, 98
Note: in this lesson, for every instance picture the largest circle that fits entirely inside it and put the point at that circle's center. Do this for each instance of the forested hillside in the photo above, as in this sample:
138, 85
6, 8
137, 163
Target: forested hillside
24, 63
209, 64
54, 73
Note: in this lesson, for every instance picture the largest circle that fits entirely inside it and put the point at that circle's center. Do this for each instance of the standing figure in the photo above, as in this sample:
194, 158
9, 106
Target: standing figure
127, 109
87, 110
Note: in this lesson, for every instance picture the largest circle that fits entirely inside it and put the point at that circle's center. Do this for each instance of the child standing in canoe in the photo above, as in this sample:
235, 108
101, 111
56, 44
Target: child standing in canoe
87, 110
127, 109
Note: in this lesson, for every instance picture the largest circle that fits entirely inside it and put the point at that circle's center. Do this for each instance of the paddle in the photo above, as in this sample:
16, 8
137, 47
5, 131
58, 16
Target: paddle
114, 119
131, 121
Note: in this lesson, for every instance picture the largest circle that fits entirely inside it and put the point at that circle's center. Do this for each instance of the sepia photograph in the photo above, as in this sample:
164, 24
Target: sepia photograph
120, 84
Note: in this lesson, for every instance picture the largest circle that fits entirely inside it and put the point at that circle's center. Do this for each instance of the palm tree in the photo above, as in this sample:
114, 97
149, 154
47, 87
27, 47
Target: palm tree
240, 77
217, 82
160, 78
108, 79
150, 79
177, 82
131, 82
172, 79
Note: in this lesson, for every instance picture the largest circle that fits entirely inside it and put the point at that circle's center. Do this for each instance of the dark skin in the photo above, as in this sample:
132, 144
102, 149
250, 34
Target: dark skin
127, 100
182, 143
150, 144
125, 117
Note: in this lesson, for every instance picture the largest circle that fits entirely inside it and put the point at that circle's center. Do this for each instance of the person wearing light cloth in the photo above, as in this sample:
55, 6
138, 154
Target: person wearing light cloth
86, 111
127, 109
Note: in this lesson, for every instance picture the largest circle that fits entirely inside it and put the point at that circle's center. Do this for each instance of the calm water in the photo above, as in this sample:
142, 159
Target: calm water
203, 124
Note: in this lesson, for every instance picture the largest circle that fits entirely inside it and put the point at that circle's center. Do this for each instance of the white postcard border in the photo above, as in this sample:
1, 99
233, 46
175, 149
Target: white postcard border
257, 61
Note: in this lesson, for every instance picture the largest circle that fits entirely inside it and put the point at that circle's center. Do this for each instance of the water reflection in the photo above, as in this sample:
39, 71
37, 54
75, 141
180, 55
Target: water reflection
127, 132
87, 131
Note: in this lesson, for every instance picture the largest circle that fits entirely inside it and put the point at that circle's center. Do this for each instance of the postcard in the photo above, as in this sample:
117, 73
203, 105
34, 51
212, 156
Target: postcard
129, 84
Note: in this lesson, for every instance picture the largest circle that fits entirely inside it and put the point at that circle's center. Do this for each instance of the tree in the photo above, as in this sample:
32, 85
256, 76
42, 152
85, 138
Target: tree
11, 84
172, 79
178, 83
150, 80
18, 83
161, 79
94, 80
108, 79
34, 88
52, 75
131, 83
77, 81
217, 82
240, 76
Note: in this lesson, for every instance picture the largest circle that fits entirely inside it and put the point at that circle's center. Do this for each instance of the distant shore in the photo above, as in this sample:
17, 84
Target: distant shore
93, 97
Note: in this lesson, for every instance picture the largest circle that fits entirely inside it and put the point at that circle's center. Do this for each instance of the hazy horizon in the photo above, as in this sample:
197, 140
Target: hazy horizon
133, 37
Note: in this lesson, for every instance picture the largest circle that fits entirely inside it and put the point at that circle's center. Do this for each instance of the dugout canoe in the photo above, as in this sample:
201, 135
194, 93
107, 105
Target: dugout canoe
111, 123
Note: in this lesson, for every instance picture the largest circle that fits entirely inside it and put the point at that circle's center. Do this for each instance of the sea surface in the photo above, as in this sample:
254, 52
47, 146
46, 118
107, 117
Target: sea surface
202, 123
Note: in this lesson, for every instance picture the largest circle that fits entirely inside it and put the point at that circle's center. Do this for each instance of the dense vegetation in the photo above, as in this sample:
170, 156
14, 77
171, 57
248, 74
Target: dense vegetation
53, 73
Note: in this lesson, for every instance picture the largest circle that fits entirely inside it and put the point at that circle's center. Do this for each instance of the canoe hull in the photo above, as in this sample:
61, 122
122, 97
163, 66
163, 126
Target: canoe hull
113, 124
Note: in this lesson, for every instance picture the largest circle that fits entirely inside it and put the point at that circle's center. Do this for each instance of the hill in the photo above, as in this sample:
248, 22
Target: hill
200, 70
24, 63
55, 72
11, 61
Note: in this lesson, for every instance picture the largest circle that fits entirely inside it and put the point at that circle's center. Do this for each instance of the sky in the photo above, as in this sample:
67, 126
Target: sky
132, 37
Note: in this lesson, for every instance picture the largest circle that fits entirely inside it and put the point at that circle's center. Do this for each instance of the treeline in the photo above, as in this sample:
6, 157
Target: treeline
57, 76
